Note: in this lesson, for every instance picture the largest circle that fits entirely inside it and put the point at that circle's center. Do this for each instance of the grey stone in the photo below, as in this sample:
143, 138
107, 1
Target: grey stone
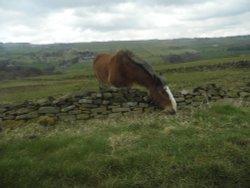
188, 101
196, 104
62, 100
23, 111
67, 118
31, 115
246, 89
113, 106
84, 109
179, 99
85, 101
118, 95
105, 102
244, 94
213, 92
198, 89
11, 112
232, 94
93, 96
184, 92
146, 99
97, 101
130, 104
68, 108
83, 116
9, 117
99, 95
137, 109
107, 95
2, 110
199, 98
143, 105
6, 105
99, 110
210, 86
75, 112
181, 104
188, 96
48, 110
89, 106
121, 109
43, 102
99, 116
215, 98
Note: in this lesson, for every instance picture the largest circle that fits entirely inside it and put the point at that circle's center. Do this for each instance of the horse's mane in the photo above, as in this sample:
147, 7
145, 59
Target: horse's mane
142, 64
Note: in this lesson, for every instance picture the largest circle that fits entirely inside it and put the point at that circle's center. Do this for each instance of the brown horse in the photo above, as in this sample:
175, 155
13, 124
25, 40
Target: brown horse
125, 69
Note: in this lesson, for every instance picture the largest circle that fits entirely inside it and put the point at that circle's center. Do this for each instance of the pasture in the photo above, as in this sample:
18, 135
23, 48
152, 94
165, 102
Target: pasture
206, 148
209, 147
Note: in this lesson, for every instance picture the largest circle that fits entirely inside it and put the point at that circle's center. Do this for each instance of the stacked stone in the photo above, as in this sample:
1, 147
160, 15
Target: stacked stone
25, 110
199, 96
244, 93
81, 106
219, 66
112, 103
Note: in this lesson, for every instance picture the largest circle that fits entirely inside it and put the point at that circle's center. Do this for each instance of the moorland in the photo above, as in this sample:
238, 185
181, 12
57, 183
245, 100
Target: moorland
208, 147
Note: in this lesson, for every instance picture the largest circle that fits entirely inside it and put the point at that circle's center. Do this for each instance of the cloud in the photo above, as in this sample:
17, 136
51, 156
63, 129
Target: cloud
93, 20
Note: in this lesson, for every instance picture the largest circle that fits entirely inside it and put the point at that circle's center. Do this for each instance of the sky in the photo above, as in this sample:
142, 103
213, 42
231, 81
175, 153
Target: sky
63, 21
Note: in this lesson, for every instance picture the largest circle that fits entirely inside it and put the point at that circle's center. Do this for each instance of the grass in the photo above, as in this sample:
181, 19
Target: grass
205, 148
213, 61
81, 77
227, 79
200, 148
78, 77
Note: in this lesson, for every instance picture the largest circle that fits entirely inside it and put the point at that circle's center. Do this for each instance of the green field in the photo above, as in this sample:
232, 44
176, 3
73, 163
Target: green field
209, 147
81, 77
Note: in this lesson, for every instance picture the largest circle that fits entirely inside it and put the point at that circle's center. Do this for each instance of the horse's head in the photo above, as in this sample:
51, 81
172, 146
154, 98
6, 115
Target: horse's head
165, 99
146, 76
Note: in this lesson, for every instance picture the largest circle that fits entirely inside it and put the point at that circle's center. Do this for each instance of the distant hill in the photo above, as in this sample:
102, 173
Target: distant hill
63, 55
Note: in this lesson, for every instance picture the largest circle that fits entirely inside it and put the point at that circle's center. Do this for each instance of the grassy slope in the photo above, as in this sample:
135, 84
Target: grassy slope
206, 148
81, 77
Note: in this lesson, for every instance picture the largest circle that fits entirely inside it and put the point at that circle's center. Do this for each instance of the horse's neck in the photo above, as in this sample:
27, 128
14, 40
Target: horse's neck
150, 87
147, 82
142, 77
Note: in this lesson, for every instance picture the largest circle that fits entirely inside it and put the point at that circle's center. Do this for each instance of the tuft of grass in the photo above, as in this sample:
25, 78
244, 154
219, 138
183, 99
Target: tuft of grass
205, 148
46, 121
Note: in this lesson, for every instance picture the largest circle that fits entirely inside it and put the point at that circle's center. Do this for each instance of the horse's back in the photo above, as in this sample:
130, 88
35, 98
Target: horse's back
115, 70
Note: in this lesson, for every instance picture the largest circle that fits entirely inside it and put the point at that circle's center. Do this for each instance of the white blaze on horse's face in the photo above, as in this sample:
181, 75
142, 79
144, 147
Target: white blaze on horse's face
171, 97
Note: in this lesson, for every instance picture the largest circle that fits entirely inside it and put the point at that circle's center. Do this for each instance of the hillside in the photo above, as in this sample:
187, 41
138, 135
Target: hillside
155, 51
57, 129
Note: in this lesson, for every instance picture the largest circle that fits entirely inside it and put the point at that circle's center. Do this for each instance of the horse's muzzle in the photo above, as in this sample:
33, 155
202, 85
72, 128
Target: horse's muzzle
169, 112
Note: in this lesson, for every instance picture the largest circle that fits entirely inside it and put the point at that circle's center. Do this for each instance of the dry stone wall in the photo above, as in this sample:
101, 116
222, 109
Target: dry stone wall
112, 103
219, 66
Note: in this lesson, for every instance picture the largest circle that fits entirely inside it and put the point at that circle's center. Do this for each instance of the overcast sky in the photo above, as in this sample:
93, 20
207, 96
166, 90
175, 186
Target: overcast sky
53, 21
